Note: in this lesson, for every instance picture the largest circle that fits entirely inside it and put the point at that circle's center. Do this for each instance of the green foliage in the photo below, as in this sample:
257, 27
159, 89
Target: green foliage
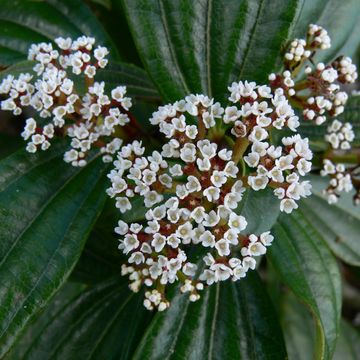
56, 224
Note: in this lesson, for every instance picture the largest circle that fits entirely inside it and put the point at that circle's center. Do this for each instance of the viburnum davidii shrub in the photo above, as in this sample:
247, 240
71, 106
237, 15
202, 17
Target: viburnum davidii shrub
189, 180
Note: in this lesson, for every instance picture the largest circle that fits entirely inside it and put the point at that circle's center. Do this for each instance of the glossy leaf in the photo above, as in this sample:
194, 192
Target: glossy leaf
261, 210
230, 321
103, 322
65, 295
105, 3
307, 267
23, 22
203, 46
9, 143
47, 209
101, 258
298, 327
299, 333
138, 84
348, 346
339, 224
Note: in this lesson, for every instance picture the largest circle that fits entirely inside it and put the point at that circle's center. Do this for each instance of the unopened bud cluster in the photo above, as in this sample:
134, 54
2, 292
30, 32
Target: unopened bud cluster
52, 93
340, 180
315, 87
339, 136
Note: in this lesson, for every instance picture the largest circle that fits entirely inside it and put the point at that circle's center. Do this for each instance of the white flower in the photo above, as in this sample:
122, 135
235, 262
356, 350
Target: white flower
222, 247
185, 232
266, 238
252, 159
207, 239
188, 152
122, 228
288, 205
123, 204
237, 222
285, 162
212, 193
193, 184
151, 198
258, 182
158, 242
218, 178
198, 214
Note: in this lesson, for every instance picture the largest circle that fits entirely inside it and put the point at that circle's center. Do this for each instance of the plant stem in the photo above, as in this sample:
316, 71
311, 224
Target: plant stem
240, 147
201, 128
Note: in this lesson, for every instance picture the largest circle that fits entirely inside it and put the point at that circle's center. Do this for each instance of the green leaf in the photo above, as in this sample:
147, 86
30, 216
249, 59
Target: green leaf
105, 3
101, 258
339, 224
136, 79
308, 268
67, 294
8, 144
298, 327
348, 346
260, 208
299, 333
230, 321
103, 322
23, 22
47, 209
203, 46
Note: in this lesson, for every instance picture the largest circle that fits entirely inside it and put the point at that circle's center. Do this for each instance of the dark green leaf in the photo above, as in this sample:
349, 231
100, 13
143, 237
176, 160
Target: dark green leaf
8, 144
261, 210
47, 209
23, 22
105, 3
67, 294
138, 84
339, 224
298, 327
230, 321
307, 267
348, 346
299, 333
103, 322
203, 46
101, 258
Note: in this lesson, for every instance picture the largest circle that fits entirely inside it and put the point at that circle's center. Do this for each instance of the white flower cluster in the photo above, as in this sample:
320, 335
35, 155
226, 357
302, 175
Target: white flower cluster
318, 37
297, 51
340, 180
89, 119
319, 94
194, 105
279, 166
300, 49
340, 135
347, 71
191, 190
